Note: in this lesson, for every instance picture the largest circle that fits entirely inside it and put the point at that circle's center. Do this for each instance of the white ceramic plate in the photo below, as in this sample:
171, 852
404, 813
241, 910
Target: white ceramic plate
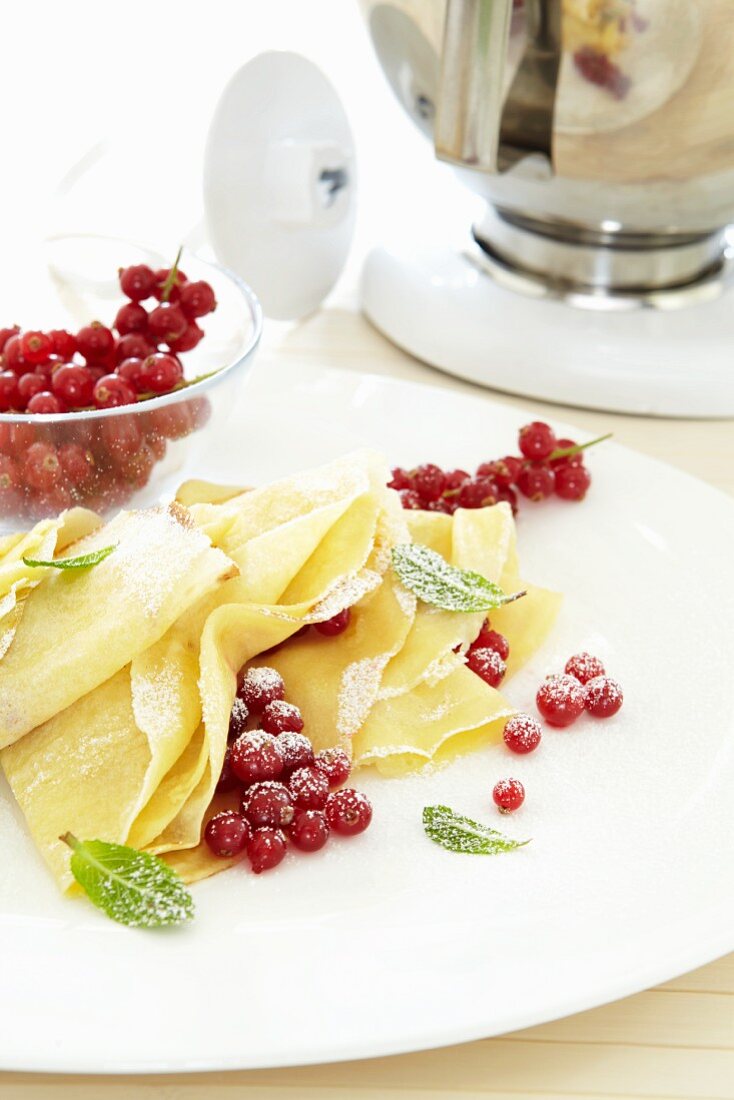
388, 943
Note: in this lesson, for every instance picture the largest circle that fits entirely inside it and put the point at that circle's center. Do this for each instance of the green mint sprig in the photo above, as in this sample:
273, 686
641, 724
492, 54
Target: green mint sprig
567, 452
437, 582
133, 888
460, 834
83, 561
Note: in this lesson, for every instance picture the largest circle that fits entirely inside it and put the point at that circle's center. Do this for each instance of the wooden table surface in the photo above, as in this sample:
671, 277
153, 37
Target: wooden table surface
673, 1041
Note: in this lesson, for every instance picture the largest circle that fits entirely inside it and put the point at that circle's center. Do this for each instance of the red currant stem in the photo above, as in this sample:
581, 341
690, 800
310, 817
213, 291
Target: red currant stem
171, 277
566, 452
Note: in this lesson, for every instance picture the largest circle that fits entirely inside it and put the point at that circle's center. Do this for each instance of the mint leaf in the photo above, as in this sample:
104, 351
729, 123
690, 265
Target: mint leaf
460, 834
84, 561
134, 888
437, 582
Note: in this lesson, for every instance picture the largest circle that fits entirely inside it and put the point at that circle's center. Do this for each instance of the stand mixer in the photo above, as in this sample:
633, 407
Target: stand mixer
601, 134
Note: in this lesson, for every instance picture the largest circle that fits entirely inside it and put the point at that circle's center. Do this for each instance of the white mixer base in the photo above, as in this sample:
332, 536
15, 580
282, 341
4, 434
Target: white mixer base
439, 305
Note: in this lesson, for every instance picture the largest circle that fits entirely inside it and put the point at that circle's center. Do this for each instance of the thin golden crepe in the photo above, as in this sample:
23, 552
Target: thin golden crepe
155, 710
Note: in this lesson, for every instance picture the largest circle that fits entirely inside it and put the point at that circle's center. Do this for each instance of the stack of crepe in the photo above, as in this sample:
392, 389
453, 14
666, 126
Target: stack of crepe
117, 681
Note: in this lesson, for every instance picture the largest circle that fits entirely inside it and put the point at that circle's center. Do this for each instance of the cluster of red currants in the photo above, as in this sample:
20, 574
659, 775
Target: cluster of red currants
286, 791
545, 466
584, 686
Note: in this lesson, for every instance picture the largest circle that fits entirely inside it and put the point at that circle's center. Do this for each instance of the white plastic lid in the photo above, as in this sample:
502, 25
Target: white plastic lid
279, 182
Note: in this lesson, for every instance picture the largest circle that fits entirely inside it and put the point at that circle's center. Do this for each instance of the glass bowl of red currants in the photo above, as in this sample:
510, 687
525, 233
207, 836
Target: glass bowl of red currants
137, 365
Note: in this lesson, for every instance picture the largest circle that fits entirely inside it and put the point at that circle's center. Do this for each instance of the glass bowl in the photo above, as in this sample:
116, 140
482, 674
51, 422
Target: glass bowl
135, 454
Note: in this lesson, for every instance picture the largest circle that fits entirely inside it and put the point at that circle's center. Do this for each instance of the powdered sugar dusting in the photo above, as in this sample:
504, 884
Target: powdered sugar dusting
345, 593
360, 683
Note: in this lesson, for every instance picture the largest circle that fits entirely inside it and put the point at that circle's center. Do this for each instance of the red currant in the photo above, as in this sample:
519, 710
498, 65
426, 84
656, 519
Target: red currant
261, 686
572, 482
74, 384
132, 371
445, 505
309, 830
96, 343
77, 463
188, 340
227, 833
348, 811
36, 347
567, 460
21, 437
13, 357
238, 718
429, 481
10, 397
400, 479
492, 639
536, 481
584, 667
28, 386
64, 344
167, 322
42, 466
133, 346
508, 795
137, 468
161, 372
537, 440
121, 436
296, 749
503, 471
256, 756
488, 665
268, 803
309, 788
266, 848
522, 733
334, 764
173, 421
410, 500
137, 282
455, 479
478, 492
603, 697
197, 299
560, 700
227, 781
337, 624
111, 391
6, 333
45, 402
131, 317
281, 717
161, 278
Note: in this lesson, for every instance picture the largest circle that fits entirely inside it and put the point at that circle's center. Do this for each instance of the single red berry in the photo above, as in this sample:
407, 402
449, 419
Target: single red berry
36, 347
45, 402
603, 697
161, 278
173, 421
492, 639
503, 471
111, 391
522, 733
10, 397
400, 479
337, 624
259, 687
161, 372
572, 482
133, 346
334, 764
429, 481
584, 667
268, 803
567, 460
21, 437
6, 333
281, 717
9, 472
96, 343
309, 830
197, 299
256, 756
237, 718
560, 700
13, 358
28, 386
121, 436
536, 481
309, 788
167, 322
410, 500
74, 384
488, 665
227, 833
192, 336
132, 317
265, 849
508, 795
63, 343
296, 749
478, 492
227, 781
348, 811
42, 466
137, 468
537, 440
137, 282
455, 479
77, 463
132, 371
